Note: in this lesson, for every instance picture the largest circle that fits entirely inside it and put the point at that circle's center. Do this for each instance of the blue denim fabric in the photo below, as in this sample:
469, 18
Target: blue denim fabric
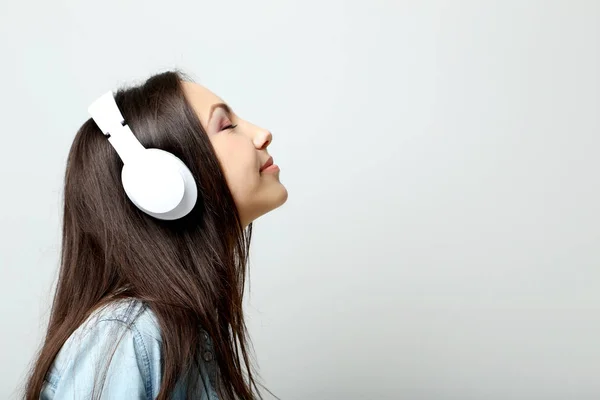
130, 332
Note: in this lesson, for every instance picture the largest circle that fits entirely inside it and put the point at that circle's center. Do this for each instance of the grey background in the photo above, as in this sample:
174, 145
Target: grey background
441, 235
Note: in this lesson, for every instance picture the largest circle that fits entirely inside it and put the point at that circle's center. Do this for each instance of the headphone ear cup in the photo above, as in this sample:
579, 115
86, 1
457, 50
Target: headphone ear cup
153, 182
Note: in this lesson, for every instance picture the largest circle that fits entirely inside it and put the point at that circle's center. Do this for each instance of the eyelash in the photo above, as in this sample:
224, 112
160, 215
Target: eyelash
230, 126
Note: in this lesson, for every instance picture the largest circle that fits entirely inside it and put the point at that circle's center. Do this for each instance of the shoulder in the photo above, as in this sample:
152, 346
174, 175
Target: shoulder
129, 314
128, 319
123, 337
122, 320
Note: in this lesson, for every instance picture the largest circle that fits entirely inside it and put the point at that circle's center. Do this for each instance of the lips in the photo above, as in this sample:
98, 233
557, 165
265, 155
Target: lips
267, 164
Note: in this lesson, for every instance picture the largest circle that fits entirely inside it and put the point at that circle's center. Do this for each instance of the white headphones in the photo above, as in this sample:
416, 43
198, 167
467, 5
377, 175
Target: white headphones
156, 181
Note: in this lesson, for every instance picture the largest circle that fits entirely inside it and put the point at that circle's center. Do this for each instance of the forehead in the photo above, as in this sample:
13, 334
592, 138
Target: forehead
201, 99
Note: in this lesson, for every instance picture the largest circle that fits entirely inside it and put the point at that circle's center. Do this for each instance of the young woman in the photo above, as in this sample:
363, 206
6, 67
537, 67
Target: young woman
149, 307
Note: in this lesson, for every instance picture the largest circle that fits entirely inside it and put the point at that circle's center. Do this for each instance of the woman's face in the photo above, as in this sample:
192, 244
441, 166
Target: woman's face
241, 148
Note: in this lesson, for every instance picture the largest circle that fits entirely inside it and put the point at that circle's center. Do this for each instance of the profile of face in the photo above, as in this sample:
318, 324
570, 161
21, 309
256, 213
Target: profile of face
241, 149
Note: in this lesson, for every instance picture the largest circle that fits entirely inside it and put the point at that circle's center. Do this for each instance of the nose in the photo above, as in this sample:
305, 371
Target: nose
262, 139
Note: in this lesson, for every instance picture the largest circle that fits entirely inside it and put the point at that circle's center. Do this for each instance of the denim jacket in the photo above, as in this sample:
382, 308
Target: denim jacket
133, 372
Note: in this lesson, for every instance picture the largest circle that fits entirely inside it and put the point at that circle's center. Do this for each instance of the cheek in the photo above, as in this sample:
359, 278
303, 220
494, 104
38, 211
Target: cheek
240, 165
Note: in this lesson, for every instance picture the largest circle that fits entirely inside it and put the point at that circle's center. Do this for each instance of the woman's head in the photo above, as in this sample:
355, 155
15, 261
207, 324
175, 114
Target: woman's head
242, 149
190, 271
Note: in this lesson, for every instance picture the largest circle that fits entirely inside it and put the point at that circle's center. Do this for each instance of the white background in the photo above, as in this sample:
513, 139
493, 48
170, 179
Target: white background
441, 238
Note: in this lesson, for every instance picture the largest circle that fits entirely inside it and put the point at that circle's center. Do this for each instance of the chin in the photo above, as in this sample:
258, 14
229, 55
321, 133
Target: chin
276, 197
282, 196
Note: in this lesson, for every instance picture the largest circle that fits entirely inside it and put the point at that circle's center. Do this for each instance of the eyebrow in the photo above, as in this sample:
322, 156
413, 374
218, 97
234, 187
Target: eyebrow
224, 106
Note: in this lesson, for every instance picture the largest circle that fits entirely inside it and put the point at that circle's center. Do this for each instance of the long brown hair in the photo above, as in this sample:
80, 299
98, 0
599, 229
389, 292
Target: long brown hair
190, 272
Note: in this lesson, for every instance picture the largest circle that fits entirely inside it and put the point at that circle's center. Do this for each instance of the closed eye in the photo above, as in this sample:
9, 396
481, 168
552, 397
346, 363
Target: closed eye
230, 126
